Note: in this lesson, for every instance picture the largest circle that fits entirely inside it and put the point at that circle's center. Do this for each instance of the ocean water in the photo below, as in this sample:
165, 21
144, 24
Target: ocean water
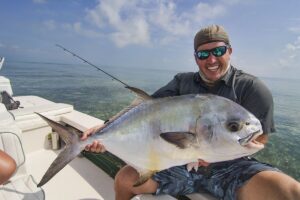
94, 93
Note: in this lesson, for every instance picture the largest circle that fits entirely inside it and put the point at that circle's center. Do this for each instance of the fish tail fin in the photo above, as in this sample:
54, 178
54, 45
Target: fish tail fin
73, 148
64, 133
66, 156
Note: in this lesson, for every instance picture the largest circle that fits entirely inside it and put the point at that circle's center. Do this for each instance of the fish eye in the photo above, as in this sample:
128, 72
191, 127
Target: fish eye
233, 126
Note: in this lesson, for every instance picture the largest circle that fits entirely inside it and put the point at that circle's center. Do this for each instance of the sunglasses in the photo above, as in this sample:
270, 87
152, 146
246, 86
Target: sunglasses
217, 52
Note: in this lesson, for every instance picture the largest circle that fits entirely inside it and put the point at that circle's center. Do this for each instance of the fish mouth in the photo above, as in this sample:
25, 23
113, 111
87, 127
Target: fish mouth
246, 140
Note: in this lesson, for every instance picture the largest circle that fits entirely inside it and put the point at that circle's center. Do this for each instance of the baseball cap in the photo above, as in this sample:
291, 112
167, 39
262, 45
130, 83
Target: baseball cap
212, 33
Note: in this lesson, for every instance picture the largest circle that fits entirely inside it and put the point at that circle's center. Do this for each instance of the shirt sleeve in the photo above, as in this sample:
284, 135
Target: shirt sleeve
259, 101
171, 89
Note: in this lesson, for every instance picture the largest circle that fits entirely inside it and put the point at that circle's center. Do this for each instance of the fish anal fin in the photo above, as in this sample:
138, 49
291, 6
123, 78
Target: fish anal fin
140, 93
180, 139
145, 176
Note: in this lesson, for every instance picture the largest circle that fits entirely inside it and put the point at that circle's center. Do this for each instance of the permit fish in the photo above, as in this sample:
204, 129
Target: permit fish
155, 134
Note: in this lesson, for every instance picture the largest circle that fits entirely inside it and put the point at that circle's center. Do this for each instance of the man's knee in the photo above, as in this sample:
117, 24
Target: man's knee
11, 167
127, 177
7, 168
295, 190
270, 185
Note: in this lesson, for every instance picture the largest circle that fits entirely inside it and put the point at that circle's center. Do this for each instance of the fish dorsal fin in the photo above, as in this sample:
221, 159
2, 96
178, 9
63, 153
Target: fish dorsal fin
133, 104
140, 93
141, 96
180, 139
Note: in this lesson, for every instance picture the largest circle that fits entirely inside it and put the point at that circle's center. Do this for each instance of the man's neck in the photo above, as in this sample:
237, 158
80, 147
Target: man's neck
211, 83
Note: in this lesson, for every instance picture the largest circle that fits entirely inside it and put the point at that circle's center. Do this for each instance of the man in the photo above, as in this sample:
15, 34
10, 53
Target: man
243, 178
7, 167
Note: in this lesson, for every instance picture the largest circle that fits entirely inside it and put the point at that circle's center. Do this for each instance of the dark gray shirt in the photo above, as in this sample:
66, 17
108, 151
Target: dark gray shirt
243, 88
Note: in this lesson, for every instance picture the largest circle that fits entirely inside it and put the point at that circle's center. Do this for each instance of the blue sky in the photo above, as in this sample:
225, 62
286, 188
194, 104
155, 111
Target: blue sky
265, 35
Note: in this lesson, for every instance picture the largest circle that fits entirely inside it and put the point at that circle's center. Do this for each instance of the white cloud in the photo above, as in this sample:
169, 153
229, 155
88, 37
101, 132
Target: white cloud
124, 19
144, 22
166, 18
291, 54
294, 29
232, 2
50, 24
39, 1
200, 13
77, 27
133, 32
95, 17
177, 24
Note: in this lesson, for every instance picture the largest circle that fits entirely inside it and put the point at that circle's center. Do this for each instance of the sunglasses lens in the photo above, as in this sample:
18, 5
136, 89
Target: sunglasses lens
203, 54
219, 51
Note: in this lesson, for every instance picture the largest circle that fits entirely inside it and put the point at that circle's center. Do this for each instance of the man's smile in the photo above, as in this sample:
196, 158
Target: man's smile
213, 68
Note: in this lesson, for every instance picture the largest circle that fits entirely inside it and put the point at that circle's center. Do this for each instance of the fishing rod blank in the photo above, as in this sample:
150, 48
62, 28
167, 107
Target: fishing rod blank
137, 91
91, 64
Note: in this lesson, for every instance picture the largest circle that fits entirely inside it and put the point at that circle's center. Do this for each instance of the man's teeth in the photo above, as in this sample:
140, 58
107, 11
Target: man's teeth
213, 68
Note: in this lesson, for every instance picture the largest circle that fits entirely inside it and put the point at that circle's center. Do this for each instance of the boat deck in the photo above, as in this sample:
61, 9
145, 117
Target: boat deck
80, 179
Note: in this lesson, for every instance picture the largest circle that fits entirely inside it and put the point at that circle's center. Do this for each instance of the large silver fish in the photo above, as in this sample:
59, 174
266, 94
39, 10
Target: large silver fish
156, 134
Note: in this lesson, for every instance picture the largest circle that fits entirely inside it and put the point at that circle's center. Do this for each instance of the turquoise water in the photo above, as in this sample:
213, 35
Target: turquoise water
96, 94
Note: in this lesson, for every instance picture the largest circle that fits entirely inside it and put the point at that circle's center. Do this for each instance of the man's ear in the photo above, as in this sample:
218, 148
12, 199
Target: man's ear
196, 59
230, 50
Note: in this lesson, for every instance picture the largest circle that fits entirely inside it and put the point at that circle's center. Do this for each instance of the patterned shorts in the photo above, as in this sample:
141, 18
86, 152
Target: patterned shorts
220, 179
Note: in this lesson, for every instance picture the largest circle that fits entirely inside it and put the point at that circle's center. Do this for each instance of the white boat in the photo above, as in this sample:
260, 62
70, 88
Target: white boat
1, 62
24, 136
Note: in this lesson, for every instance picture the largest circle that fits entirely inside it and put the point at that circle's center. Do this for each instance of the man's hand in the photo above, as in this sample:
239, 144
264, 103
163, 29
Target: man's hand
202, 163
96, 146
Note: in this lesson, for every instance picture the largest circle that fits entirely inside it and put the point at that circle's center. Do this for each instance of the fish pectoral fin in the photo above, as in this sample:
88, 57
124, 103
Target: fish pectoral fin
180, 139
140, 93
144, 177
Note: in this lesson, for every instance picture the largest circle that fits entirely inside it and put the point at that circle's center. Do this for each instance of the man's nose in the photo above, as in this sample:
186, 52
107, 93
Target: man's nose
211, 58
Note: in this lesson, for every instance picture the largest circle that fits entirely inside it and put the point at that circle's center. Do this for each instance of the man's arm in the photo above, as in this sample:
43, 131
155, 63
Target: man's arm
170, 89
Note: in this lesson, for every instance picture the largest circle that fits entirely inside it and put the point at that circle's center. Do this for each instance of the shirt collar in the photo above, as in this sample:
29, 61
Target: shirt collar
227, 78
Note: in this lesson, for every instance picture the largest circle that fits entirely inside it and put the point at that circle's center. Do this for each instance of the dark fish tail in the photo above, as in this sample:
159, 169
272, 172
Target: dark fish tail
73, 148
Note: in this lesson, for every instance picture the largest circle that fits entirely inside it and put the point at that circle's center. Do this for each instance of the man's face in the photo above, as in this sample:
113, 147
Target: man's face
213, 68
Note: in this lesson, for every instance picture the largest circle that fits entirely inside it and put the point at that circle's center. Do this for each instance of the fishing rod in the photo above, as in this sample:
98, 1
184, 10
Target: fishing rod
137, 91
91, 64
